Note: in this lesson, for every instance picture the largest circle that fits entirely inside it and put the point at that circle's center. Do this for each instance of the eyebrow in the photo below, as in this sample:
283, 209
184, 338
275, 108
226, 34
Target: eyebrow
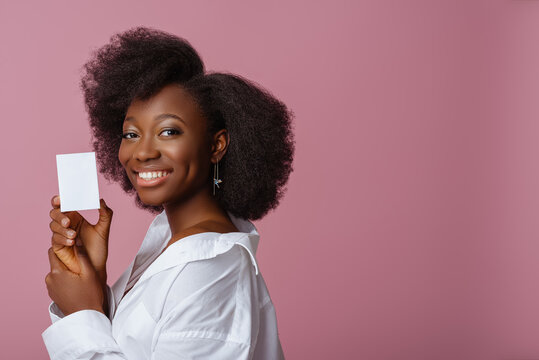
159, 117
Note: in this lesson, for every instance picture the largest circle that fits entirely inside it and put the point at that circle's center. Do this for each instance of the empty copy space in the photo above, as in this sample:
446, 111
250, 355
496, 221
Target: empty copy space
77, 181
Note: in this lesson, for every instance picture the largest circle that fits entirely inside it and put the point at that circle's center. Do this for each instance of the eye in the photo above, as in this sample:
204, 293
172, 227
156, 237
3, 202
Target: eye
174, 131
124, 136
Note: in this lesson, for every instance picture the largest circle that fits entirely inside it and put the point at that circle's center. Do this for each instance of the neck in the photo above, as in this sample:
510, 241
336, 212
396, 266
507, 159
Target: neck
192, 211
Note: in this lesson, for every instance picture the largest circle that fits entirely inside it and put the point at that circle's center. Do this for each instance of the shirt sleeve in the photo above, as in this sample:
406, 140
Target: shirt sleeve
82, 335
85, 334
211, 311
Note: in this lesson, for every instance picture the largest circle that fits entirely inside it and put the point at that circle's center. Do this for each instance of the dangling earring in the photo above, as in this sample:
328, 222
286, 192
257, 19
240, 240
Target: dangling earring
216, 179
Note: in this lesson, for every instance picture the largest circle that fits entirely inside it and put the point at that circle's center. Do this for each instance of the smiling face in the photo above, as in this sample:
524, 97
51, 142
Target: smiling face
166, 133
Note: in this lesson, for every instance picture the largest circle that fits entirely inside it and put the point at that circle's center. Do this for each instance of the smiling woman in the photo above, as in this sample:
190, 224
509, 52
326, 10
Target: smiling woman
166, 133
194, 289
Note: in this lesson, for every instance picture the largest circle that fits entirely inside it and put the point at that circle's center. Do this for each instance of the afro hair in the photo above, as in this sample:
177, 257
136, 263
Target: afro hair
259, 157
138, 63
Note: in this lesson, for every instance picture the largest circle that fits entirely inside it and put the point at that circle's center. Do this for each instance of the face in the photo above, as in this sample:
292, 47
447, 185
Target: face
165, 133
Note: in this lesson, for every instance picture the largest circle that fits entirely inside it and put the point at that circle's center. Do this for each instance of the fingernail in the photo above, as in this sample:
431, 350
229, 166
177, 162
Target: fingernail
64, 222
70, 233
70, 242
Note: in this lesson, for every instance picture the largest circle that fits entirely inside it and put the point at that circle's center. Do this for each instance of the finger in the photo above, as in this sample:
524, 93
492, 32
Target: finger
104, 211
59, 229
55, 201
56, 264
105, 218
58, 241
60, 217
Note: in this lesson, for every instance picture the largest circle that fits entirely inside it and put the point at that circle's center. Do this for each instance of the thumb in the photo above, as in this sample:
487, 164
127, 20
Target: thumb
84, 261
105, 217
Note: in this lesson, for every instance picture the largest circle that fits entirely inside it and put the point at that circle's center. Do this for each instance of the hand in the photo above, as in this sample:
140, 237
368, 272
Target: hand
74, 292
94, 238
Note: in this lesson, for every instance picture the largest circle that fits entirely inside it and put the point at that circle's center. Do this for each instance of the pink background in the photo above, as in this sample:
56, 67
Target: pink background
409, 229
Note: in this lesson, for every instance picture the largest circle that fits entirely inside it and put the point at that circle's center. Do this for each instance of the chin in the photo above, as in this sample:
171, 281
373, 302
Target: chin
151, 200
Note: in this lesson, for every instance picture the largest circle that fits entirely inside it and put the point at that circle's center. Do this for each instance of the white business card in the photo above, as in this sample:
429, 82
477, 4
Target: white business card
77, 181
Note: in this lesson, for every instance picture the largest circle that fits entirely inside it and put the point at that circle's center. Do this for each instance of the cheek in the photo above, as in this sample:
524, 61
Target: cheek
180, 153
125, 154
122, 157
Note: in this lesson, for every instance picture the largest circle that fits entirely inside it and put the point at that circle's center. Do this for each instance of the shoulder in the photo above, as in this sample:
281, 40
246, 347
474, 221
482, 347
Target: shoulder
215, 292
213, 275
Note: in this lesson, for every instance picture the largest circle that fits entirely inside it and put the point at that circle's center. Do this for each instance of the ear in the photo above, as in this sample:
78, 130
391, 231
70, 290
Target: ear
219, 146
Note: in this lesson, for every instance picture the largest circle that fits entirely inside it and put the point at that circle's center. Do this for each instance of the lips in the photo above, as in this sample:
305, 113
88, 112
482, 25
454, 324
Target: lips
150, 169
151, 182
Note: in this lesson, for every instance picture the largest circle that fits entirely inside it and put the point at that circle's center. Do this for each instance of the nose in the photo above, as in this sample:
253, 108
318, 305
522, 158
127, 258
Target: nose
146, 149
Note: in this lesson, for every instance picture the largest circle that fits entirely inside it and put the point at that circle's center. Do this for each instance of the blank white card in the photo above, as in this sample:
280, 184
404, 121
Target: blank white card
77, 181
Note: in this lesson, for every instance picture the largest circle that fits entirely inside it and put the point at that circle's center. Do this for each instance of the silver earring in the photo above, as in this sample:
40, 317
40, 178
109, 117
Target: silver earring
216, 179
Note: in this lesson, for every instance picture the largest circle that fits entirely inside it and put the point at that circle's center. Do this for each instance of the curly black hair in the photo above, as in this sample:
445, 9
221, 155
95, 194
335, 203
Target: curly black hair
138, 63
259, 157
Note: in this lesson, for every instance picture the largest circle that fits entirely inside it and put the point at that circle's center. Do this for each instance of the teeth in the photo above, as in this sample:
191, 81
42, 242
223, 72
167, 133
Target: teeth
152, 175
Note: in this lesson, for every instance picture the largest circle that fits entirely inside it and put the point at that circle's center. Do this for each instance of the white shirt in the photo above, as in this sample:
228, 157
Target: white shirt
202, 298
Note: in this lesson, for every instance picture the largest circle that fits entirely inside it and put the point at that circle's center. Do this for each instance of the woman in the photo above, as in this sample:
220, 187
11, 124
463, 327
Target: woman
205, 153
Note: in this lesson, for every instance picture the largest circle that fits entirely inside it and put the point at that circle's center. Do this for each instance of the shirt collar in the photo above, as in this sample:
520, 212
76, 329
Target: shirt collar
197, 246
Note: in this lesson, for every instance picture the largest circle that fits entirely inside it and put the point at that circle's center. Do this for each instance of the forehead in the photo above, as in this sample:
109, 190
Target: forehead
170, 99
